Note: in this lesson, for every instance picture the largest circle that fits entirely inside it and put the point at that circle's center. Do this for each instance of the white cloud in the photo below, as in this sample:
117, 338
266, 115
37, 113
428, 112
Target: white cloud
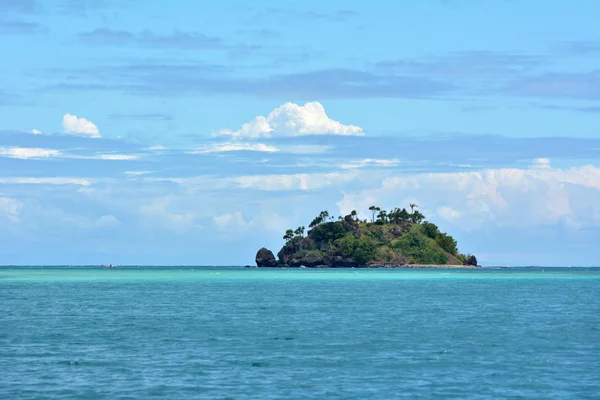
293, 181
155, 148
234, 223
227, 222
31, 152
45, 181
167, 211
448, 213
261, 147
502, 197
136, 173
370, 162
274, 182
305, 148
294, 120
541, 163
36, 131
108, 221
116, 157
238, 146
11, 208
80, 126
109, 157
27, 152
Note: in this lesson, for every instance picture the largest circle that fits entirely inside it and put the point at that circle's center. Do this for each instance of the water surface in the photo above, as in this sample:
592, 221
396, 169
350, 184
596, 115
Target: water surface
155, 333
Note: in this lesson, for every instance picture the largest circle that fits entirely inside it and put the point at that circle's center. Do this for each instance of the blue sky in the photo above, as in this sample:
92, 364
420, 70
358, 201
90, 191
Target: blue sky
192, 133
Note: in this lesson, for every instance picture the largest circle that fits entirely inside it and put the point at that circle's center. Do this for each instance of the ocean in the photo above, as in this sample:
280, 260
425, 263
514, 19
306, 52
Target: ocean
234, 333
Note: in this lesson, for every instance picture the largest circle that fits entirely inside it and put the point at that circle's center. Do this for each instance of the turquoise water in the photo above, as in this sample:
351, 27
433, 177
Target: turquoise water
156, 333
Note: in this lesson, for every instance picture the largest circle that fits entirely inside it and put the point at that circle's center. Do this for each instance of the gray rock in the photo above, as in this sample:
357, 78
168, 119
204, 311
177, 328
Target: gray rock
312, 260
265, 259
471, 260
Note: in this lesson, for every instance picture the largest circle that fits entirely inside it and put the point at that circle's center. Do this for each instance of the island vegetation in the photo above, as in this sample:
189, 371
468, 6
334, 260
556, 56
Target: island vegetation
394, 238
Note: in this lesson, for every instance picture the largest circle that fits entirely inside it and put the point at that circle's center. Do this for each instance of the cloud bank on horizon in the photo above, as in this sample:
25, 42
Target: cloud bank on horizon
145, 144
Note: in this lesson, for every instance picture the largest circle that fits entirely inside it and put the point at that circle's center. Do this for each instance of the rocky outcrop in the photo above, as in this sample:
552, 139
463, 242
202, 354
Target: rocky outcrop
343, 262
471, 260
266, 259
312, 259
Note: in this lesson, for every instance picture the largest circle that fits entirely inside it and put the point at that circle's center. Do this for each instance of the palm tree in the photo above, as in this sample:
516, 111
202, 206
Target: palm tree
413, 206
353, 213
374, 209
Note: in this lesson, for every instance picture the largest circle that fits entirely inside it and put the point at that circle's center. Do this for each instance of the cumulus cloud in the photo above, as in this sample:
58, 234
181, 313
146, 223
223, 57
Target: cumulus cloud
294, 120
80, 126
507, 197
10, 208
28, 152
36, 131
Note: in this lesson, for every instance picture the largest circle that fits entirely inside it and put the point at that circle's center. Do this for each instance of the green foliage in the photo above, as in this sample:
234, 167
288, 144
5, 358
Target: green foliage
362, 249
386, 254
329, 231
314, 253
289, 234
365, 251
447, 243
392, 236
398, 216
416, 217
346, 245
430, 230
420, 249
322, 217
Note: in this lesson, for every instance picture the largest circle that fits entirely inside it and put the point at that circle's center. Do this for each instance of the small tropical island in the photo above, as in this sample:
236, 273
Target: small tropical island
391, 239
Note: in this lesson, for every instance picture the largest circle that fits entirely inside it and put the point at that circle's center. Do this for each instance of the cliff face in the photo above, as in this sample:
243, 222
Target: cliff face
351, 243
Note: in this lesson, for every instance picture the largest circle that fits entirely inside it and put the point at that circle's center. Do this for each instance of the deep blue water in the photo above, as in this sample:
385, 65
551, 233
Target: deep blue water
185, 333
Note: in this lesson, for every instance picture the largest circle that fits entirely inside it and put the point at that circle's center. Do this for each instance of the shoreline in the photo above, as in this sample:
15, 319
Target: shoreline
454, 266
381, 266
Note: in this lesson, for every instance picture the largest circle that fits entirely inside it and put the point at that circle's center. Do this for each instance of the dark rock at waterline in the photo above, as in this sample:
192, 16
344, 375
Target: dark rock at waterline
471, 260
312, 260
265, 258
343, 262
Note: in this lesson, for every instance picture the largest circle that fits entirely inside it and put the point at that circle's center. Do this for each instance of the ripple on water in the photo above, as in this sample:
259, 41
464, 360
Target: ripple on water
286, 334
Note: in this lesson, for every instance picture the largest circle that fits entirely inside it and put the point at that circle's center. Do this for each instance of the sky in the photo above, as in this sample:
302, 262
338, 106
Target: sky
194, 133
